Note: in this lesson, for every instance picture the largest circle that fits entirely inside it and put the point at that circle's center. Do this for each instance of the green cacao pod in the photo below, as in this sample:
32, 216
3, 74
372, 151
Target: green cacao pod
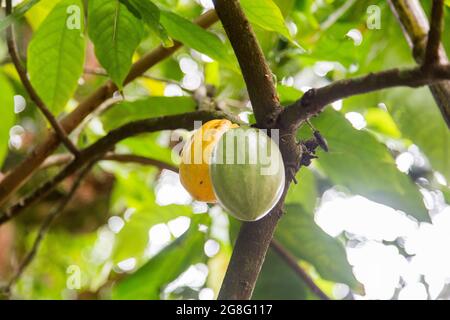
247, 173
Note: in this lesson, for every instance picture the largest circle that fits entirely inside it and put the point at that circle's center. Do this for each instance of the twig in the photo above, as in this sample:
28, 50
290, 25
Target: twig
105, 106
12, 48
336, 15
413, 21
434, 35
291, 261
22, 172
103, 73
315, 100
61, 159
98, 149
57, 211
130, 158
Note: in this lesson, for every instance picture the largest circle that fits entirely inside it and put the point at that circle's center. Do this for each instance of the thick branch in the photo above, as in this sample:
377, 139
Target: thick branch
20, 174
46, 226
414, 23
315, 100
434, 35
256, 72
100, 148
248, 256
293, 264
12, 48
254, 237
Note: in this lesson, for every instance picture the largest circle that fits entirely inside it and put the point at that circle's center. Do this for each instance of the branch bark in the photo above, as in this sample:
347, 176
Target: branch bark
15, 58
256, 72
20, 174
434, 35
415, 26
315, 100
100, 148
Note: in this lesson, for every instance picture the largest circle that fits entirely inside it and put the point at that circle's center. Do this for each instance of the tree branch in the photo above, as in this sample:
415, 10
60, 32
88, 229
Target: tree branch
414, 23
315, 100
254, 237
103, 73
100, 148
434, 35
61, 159
335, 16
21, 173
57, 211
256, 72
12, 48
292, 262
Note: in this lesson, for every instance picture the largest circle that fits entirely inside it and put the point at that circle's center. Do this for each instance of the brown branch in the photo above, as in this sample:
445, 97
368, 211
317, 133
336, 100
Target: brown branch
102, 73
61, 159
315, 100
100, 148
414, 23
434, 35
336, 15
12, 48
254, 238
131, 158
292, 262
22, 172
255, 70
43, 230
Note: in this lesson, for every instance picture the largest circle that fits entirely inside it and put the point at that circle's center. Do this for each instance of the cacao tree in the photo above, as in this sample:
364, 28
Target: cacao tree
103, 101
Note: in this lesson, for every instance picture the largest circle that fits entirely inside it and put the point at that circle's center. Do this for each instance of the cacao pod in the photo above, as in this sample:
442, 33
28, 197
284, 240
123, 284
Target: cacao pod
195, 159
247, 173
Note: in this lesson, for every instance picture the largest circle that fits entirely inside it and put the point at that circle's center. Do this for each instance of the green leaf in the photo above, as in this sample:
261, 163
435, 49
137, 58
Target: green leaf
298, 232
59, 253
195, 37
148, 146
305, 192
17, 13
150, 14
278, 281
287, 94
37, 14
420, 120
6, 114
137, 193
116, 33
132, 240
267, 15
166, 266
56, 54
359, 162
381, 121
149, 107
